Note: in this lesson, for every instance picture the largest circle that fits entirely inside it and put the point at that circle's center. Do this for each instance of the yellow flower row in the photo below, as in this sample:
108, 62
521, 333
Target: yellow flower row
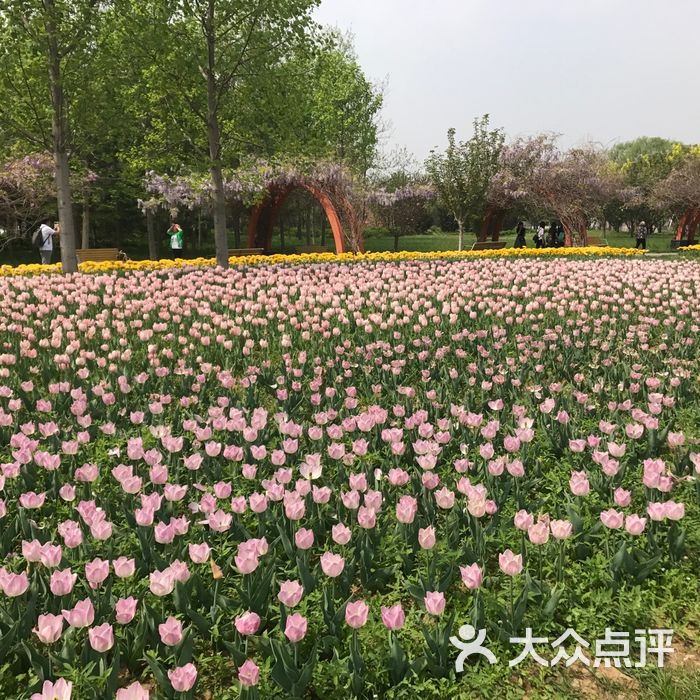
695, 248
111, 265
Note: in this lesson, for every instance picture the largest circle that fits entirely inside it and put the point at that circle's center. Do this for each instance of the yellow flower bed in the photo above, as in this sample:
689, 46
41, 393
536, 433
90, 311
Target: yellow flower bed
695, 248
111, 265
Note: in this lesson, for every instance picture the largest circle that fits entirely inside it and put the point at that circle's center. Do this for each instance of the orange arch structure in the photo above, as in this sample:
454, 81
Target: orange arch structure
687, 225
264, 215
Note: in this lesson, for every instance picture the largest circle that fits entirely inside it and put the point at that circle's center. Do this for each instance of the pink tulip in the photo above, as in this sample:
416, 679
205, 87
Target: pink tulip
612, 519
248, 674
406, 509
434, 602
290, 593
341, 534
14, 585
472, 576
199, 553
161, 583
49, 628
426, 537
62, 582
31, 500
60, 690
295, 628
635, 525
445, 498
674, 511
96, 571
332, 564
561, 529
303, 538
125, 610
523, 520
81, 615
538, 533
579, 484
356, 614
657, 511
622, 497
101, 637
248, 623
133, 692
246, 561
366, 517
509, 563
393, 617
183, 678
170, 632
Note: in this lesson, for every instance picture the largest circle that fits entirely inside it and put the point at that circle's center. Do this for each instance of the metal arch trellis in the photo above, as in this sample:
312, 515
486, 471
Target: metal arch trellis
344, 222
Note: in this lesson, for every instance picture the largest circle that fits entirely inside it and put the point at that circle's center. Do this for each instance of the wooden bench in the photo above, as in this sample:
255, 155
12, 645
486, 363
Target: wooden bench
489, 245
596, 241
242, 252
97, 254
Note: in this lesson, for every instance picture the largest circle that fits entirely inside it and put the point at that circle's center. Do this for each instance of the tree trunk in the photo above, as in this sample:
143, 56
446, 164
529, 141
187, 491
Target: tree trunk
237, 228
151, 233
65, 213
460, 227
568, 238
693, 225
485, 225
307, 227
59, 132
214, 136
680, 230
396, 240
86, 225
281, 222
323, 229
496, 225
583, 233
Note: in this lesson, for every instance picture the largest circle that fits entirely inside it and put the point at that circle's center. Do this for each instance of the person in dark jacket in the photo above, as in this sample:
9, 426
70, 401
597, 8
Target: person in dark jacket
519, 235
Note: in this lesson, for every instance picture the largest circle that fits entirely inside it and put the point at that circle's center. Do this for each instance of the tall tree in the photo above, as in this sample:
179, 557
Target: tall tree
232, 43
47, 45
462, 174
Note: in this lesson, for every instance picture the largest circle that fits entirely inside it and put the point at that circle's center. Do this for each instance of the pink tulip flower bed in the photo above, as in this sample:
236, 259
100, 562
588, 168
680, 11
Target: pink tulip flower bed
301, 481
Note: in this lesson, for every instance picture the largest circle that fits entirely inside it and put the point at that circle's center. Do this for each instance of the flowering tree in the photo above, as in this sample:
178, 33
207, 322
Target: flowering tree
261, 182
401, 210
572, 185
28, 192
680, 192
49, 43
461, 175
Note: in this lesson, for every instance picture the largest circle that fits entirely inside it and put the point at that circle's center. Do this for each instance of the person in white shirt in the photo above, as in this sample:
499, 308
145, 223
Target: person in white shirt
46, 243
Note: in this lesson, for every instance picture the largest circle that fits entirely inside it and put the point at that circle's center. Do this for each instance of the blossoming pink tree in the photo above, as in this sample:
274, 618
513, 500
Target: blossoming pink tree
537, 177
680, 192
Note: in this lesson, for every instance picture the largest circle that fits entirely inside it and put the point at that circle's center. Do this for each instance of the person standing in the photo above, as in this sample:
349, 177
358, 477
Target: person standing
176, 240
539, 236
519, 235
641, 235
44, 241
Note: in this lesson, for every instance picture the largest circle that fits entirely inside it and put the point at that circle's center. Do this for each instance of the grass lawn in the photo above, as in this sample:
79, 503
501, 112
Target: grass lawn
375, 241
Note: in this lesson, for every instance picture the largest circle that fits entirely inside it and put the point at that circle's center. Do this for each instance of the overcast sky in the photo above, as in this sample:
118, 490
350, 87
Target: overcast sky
600, 70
